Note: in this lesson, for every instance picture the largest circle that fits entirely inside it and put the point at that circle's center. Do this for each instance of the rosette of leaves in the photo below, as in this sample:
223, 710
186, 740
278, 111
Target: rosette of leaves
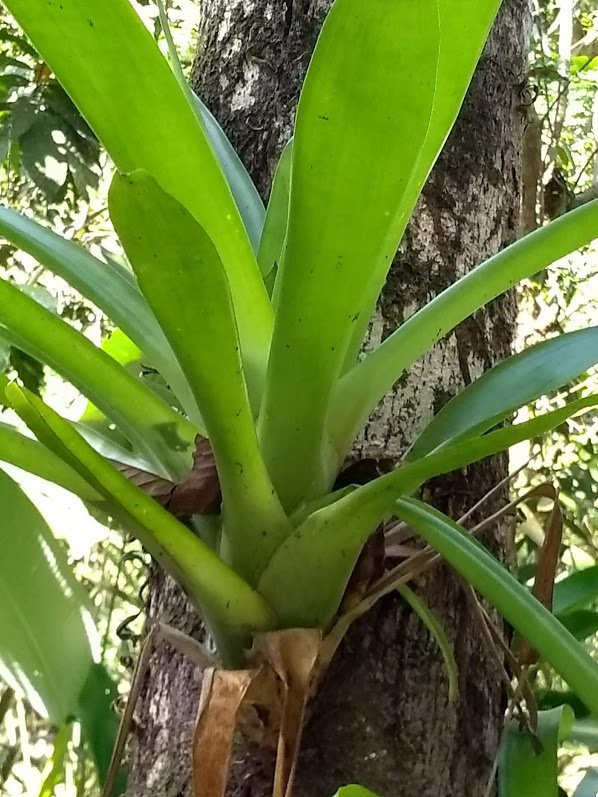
253, 318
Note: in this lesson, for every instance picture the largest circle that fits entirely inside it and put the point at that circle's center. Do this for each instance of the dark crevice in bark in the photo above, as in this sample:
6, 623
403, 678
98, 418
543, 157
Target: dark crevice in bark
381, 716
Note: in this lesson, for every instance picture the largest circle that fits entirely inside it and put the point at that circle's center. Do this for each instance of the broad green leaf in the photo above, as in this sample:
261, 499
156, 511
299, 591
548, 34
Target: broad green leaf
323, 550
581, 623
182, 278
511, 384
464, 28
363, 386
436, 629
106, 286
524, 773
46, 630
361, 123
228, 603
576, 590
515, 603
245, 193
114, 72
354, 791
99, 722
160, 433
277, 216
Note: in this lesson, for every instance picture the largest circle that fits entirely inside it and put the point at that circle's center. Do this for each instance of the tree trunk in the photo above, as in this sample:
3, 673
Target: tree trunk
382, 716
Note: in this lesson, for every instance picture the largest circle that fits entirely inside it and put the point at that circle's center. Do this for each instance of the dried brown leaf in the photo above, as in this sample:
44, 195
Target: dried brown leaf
548, 559
292, 653
222, 694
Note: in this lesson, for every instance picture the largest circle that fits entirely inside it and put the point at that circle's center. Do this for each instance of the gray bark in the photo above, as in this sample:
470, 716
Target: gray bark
381, 717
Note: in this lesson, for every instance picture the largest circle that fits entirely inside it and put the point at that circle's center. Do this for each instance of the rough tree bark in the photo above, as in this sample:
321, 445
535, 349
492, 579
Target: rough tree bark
381, 717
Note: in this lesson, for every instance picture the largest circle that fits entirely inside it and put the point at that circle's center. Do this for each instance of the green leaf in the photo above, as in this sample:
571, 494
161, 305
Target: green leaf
53, 773
354, 791
106, 285
99, 722
436, 629
31, 456
582, 623
245, 193
323, 550
182, 278
361, 389
361, 123
464, 28
576, 590
523, 772
241, 185
164, 436
585, 731
511, 384
277, 215
45, 624
228, 603
44, 159
515, 603
105, 58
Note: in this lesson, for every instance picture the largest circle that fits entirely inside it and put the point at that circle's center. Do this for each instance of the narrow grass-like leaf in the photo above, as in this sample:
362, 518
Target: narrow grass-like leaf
182, 278
107, 286
277, 215
159, 432
436, 629
243, 189
112, 68
53, 773
511, 384
226, 600
45, 649
525, 773
464, 28
363, 386
576, 590
361, 123
526, 614
30, 455
323, 550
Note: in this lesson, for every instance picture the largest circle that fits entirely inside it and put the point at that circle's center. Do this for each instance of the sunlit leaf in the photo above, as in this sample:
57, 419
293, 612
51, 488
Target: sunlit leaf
225, 599
363, 386
511, 384
153, 427
105, 58
323, 550
45, 625
361, 123
182, 278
